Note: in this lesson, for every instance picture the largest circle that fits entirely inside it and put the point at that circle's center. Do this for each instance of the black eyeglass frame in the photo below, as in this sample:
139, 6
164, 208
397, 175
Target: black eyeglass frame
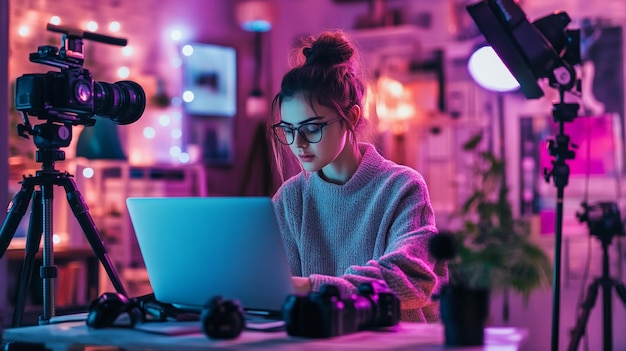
320, 125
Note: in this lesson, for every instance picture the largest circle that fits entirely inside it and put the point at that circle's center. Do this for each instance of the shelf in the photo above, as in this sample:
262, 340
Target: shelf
105, 186
76, 284
388, 40
58, 253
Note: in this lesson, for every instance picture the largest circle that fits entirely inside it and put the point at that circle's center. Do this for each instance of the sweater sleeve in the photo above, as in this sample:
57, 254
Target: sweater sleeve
406, 266
282, 207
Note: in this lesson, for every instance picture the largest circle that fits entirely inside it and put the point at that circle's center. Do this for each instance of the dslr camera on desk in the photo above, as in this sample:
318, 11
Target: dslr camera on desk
325, 314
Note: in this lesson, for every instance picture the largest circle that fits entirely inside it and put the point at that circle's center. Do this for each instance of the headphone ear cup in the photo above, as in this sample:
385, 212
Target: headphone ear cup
105, 310
135, 312
222, 319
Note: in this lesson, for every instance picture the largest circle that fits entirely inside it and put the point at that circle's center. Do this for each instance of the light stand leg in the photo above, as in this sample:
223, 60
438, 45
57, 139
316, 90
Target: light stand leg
32, 247
259, 146
607, 314
581, 324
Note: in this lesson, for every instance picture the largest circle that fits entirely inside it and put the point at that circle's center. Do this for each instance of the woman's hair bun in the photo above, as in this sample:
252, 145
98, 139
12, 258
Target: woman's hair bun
328, 49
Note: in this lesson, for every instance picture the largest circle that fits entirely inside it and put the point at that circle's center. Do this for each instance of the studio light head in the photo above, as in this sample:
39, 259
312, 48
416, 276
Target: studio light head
71, 96
531, 51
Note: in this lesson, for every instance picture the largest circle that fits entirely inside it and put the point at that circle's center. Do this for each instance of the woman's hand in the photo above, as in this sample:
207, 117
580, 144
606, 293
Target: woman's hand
302, 285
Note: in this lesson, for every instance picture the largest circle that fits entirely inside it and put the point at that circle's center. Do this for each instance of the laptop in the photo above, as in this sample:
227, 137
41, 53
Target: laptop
195, 248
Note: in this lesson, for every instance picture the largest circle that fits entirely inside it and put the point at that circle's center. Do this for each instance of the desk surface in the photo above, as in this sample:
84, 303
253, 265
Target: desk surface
405, 336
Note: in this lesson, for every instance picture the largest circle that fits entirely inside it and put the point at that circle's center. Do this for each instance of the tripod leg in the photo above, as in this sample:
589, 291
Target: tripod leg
17, 209
587, 305
607, 316
32, 247
621, 291
81, 212
48, 271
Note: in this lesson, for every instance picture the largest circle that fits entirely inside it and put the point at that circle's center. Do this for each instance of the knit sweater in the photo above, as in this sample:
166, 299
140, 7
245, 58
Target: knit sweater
376, 226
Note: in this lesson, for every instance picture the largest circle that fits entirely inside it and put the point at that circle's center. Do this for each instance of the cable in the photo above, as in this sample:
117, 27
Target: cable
619, 169
585, 276
583, 284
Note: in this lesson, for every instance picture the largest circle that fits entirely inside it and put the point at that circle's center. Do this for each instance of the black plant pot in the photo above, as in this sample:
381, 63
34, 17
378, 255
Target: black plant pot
464, 314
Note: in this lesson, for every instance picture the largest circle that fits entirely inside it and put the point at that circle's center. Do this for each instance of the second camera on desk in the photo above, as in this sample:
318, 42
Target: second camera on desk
324, 313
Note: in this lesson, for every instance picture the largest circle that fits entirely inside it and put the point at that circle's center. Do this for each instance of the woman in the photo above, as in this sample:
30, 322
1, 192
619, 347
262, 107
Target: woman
351, 216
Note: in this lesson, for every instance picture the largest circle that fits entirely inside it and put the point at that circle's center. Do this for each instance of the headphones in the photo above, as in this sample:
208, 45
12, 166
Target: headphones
114, 309
220, 319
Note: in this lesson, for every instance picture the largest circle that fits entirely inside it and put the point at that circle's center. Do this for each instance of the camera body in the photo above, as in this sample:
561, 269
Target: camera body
66, 93
325, 314
71, 95
603, 219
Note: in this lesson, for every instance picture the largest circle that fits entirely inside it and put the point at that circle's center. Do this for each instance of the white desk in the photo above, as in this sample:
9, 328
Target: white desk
405, 336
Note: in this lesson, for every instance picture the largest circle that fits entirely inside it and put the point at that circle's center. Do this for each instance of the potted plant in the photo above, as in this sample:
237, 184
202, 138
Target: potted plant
492, 251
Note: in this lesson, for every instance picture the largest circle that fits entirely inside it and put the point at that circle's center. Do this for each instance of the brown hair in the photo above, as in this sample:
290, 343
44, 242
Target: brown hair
327, 71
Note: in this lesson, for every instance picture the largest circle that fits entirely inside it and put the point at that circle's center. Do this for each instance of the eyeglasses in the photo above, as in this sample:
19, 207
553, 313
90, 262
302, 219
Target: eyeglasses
310, 132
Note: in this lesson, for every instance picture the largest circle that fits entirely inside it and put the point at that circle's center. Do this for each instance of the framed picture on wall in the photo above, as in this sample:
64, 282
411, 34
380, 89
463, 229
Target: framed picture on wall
209, 80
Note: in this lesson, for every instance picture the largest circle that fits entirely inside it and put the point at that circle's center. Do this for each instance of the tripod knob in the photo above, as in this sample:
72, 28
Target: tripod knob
24, 130
565, 112
546, 175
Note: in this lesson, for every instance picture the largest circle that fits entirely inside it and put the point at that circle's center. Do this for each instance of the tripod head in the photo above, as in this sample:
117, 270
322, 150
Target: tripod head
559, 146
49, 137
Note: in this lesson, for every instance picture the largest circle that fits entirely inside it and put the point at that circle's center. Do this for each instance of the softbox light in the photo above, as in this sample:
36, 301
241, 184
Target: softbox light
531, 51
488, 70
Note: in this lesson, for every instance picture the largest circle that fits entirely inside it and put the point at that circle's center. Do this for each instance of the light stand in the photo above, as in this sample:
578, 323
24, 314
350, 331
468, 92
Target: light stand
541, 49
559, 148
48, 138
258, 17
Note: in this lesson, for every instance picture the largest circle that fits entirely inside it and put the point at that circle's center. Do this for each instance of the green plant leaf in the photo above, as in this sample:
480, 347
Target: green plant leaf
494, 248
473, 142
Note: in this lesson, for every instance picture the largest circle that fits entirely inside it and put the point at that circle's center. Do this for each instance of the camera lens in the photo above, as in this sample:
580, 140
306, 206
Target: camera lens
362, 308
82, 91
123, 102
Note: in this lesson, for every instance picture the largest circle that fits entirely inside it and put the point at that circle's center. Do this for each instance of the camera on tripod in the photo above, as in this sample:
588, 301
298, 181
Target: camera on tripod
63, 99
324, 314
603, 219
72, 96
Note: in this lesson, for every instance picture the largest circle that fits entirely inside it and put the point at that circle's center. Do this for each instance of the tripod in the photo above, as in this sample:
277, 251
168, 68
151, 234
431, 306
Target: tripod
48, 138
592, 293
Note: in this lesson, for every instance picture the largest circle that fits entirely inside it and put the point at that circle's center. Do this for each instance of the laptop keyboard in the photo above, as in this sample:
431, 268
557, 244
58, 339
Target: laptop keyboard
263, 322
